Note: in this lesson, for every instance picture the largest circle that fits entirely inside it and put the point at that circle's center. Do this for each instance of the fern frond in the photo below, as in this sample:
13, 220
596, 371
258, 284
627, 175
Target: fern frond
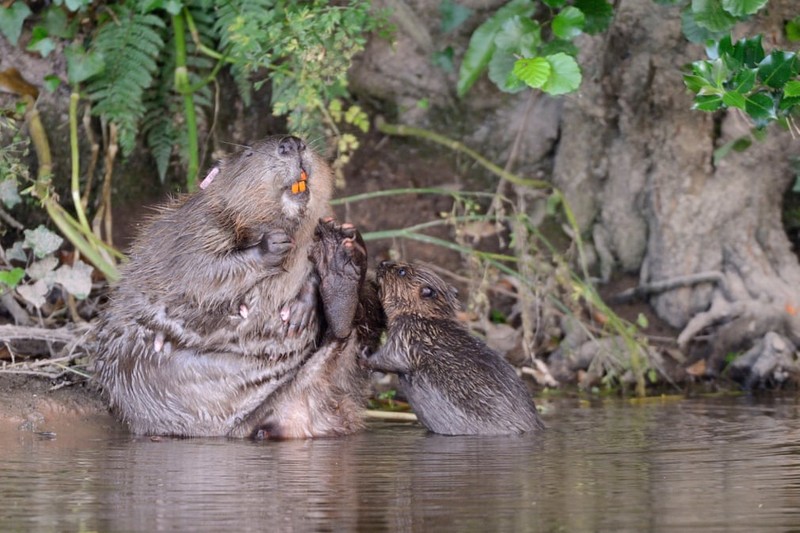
241, 25
130, 44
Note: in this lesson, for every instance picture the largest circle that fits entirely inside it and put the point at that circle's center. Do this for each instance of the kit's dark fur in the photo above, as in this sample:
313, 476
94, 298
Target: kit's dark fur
453, 381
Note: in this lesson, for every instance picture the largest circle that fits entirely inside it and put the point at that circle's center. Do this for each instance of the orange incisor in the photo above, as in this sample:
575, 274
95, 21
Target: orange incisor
300, 186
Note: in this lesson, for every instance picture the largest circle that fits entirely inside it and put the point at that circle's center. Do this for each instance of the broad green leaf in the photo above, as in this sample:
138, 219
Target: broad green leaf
695, 33
777, 68
452, 15
57, 24
501, 72
75, 5
717, 49
52, 82
793, 30
17, 252
707, 103
565, 75
749, 52
598, 13
555, 3
11, 278
82, 65
534, 72
744, 80
41, 42
481, 44
760, 107
695, 83
558, 45
710, 15
788, 102
42, 241
569, 23
734, 99
742, 8
519, 35
11, 20
444, 59
792, 88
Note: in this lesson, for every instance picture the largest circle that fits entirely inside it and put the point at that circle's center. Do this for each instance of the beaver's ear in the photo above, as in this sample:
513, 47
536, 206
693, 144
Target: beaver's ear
427, 292
211, 175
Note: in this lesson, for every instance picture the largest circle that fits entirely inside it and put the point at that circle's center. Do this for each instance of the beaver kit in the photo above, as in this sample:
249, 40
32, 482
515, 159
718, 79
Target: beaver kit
241, 312
454, 382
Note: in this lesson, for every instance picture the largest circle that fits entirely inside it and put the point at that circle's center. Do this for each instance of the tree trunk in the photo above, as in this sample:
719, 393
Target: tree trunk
636, 164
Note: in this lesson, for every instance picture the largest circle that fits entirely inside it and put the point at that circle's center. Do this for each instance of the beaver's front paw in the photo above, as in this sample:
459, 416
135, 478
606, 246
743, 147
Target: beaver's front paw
341, 259
274, 246
298, 314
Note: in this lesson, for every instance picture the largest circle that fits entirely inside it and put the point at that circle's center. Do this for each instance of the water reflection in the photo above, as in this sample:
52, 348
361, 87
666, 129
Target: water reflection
727, 464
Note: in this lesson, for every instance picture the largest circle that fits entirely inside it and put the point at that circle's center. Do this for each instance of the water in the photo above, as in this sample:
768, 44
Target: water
728, 464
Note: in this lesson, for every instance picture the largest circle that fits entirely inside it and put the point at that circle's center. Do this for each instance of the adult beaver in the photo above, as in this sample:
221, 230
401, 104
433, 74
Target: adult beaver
234, 315
453, 381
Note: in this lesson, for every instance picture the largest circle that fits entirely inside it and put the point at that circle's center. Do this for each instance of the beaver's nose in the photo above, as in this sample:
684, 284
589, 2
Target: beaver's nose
290, 146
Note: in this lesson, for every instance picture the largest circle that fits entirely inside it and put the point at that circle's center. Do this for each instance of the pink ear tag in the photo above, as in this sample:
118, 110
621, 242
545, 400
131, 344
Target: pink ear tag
209, 178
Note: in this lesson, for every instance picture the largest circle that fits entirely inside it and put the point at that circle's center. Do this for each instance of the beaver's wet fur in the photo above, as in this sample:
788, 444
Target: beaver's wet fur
455, 384
218, 326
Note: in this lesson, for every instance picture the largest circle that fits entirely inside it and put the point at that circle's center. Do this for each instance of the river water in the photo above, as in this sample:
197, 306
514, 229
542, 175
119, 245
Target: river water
662, 464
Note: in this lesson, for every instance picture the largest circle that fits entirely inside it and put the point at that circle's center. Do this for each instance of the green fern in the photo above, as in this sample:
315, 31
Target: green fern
160, 125
242, 26
129, 42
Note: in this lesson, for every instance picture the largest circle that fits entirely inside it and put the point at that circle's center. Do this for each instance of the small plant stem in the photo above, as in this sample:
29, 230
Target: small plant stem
75, 187
395, 192
409, 131
183, 87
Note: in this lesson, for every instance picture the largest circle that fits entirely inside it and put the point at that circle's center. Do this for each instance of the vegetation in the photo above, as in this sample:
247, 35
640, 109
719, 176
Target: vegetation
150, 70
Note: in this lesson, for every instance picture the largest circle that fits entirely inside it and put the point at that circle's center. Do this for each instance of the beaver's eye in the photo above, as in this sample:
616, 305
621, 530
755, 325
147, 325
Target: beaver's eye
401, 272
248, 153
427, 292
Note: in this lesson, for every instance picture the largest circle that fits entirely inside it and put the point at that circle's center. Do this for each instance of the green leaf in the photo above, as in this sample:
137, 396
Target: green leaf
565, 75
695, 33
760, 107
40, 42
793, 30
792, 88
76, 5
695, 83
569, 23
82, 65
734, 99
749, 52
710, 15
744, 80
709, 103
444, 59
11, 278
520, 36
453, 15
11, 20
42, 241
777, 68
57, 24
742, 8
555, 3
598, 14
52, 82
481, 45
501, 72
534, 72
